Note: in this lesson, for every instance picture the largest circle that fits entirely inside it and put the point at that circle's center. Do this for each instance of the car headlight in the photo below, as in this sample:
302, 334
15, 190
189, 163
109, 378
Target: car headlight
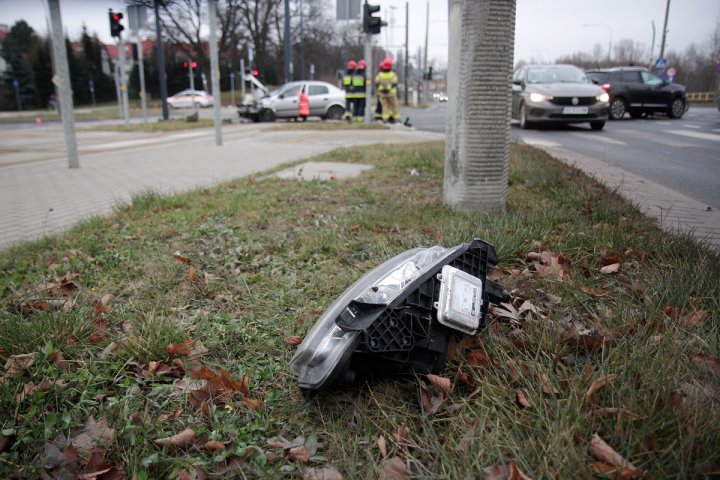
399, 316
539, 97
603, 97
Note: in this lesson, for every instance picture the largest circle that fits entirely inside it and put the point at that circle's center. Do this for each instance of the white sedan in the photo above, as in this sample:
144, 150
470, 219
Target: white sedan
190, 98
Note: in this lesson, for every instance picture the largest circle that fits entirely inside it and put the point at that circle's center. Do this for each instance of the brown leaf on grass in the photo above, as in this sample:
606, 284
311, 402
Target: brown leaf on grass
299, 454
441, 384
252, 403
671, 311
293, 340
506, 471
597, 385
107, 351
605, 453
692, 319
495, 275
98, 467
16, 364
213, 445
192, 275
93, 435
60, 361
181, 259
401, 435
610, 259
676, 400
596, 292
328, 472
478, 358
710, 362
189, 348
521, 401
533, 256
608, 269
234, 463
43, 386
382, 446
432, 402
393, 469
514, 371
59, 463
606, 470
590, 342
465, 379
179, 440
553, 266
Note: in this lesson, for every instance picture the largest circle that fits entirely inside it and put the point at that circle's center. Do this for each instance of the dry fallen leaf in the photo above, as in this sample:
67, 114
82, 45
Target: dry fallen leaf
328, 472
293, 340
178, 440
94, 434
507, 471
520, 400
401, 435
213, 445
608, 269
602, 451
431, 402
299, 454
17, 363
382, 445
181, 259
393, 469
694, 318
597, 385
441, 384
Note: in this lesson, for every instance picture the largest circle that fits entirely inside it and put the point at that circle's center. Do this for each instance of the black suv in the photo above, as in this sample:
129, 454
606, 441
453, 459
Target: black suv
639, 92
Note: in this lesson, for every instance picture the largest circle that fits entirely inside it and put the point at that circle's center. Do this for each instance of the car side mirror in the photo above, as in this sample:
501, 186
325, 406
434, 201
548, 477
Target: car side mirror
282, 95
595, 81
517, 82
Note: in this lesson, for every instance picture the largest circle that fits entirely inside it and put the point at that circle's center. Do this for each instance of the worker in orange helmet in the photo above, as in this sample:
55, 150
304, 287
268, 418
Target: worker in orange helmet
347, 81
386, 83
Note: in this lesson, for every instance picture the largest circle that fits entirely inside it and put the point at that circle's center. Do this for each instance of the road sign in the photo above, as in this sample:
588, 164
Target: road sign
348, 9
232, 75
661, 64
136, 17
16, 84
671, 72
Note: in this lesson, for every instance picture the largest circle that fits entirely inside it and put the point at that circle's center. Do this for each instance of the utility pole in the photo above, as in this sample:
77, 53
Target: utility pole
425, 65
288, 44
215, 71
664, 32
136, 19
123, 84
302, 41
368, 92
161, 61
652, 46
242, 77
477, 150
63, 83
407, 52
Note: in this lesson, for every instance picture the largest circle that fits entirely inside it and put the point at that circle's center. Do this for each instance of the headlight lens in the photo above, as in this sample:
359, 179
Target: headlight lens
539, 97
603, 97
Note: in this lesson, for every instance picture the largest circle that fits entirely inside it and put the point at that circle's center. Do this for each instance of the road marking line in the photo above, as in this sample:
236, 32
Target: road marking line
702, 136
539, 142
599, 138
690, 126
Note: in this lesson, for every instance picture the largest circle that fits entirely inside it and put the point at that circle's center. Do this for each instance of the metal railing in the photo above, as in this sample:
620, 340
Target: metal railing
701, 96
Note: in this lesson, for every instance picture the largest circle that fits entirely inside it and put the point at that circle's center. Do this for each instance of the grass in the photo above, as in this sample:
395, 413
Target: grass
278, 252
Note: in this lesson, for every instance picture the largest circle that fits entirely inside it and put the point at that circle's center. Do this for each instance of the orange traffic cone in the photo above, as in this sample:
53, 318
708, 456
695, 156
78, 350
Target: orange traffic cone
38, 121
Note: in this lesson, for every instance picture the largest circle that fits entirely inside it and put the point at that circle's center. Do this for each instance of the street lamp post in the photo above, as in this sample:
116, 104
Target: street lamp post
609, 33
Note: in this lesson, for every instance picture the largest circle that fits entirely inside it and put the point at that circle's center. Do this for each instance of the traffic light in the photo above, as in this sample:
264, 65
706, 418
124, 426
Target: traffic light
372, 24
194, 64
429, 74
115, 25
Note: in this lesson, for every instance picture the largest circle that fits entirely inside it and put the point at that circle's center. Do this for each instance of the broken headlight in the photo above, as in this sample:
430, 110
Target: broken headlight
400, 316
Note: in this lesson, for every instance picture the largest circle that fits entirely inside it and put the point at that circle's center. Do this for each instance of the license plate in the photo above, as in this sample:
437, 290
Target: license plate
574, 110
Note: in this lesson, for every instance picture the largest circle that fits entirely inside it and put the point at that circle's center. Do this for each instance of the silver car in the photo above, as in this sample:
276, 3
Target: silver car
190, 98
326, 101
557, 94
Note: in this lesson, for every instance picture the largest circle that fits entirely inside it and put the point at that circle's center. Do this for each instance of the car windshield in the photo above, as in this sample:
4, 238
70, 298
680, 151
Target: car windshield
565, 74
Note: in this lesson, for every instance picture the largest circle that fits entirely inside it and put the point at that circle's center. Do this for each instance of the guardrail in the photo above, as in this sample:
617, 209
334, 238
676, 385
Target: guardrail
701, 96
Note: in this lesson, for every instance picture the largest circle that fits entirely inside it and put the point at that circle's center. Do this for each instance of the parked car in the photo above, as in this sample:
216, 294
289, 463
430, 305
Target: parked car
326, 101
190, 98
638, 92
557, 94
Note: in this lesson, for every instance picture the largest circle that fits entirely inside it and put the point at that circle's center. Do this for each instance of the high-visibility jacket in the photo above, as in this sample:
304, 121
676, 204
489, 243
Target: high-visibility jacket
304, 104
359, 81
386, 83
348, 85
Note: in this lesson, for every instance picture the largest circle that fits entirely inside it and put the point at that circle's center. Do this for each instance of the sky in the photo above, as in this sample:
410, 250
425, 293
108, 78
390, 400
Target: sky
544, 29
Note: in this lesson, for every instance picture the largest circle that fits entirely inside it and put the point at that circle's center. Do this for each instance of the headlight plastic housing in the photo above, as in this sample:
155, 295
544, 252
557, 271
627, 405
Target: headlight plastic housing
388, 321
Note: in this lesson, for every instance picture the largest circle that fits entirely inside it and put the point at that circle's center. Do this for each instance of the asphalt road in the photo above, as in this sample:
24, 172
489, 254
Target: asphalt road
683, 155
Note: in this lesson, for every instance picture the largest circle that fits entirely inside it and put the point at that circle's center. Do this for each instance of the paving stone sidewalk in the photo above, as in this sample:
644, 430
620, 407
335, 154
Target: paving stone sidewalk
39, 197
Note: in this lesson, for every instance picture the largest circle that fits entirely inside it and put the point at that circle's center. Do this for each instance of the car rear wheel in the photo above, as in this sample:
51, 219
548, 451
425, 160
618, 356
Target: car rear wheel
524, 123
618, 107
597, 125
267, 115
335, 112
677, 109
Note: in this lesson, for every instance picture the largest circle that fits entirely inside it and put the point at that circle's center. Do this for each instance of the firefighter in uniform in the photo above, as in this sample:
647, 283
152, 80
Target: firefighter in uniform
359, 81
386, 84
347, 81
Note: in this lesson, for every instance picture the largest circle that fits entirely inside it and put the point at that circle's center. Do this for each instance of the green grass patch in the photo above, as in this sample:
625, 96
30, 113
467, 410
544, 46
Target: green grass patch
219, 277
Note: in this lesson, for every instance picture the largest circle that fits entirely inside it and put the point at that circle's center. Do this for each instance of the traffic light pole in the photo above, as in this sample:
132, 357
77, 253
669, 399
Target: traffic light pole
141, 65
123, 84
215, 71
368, 89
161, 61
63, 84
